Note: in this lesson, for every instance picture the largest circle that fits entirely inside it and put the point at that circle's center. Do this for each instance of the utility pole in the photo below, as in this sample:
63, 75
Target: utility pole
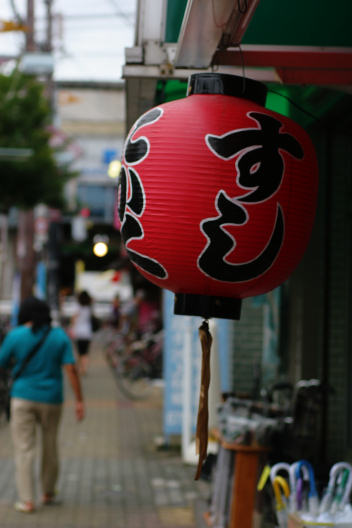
30, 42
48, 47
25, 244
26, 250
55, 227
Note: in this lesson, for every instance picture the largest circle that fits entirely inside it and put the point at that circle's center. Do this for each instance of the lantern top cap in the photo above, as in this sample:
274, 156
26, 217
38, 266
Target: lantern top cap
225, 84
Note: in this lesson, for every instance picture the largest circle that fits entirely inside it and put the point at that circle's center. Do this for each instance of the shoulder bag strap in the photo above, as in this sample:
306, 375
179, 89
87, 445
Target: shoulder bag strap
30, 355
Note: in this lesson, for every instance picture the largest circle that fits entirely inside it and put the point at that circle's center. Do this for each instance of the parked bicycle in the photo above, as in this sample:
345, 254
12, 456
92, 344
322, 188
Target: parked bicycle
136, 362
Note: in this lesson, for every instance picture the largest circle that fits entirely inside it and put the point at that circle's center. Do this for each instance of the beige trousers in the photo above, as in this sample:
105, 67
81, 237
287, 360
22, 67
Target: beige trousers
25, 416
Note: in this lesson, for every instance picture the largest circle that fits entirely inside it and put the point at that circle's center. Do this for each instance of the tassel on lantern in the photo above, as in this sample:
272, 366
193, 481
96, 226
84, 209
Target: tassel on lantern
202, 419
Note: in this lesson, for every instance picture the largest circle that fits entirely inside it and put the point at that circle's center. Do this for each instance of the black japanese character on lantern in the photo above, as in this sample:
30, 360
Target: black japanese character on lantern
213, 259
137, 150
260, 168
132, 208
260, 165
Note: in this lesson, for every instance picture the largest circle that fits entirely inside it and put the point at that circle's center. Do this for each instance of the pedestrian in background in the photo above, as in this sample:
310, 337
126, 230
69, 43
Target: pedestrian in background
81, 329
115, 315
37, 397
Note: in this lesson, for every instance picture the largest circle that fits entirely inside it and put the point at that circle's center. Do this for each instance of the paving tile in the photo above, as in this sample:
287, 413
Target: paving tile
112, 475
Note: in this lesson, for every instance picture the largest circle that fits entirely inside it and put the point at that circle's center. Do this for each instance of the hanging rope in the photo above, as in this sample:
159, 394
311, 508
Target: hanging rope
202, 419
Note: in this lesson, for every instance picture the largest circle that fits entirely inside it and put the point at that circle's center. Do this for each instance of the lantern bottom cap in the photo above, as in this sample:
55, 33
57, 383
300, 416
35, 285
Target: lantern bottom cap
207, 306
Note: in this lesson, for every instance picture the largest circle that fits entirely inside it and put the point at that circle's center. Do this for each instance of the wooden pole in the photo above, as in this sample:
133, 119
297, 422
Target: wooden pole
244, 485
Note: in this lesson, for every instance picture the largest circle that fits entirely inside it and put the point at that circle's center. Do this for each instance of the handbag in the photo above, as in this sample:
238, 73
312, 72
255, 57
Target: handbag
7, 384
5, 388
95, 322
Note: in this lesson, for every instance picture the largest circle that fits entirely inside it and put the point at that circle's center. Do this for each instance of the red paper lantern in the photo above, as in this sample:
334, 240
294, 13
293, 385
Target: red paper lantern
217, 195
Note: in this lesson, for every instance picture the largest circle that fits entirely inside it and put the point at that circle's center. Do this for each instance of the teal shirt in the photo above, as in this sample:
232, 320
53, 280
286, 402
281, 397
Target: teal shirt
42, 379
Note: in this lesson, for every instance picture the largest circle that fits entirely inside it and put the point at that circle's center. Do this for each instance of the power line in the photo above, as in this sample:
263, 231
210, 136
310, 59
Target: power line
118, 10
129, 17
96, 53
96, 16
17, 16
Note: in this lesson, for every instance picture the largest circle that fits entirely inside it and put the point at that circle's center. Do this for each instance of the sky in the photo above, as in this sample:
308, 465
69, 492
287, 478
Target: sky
89, 36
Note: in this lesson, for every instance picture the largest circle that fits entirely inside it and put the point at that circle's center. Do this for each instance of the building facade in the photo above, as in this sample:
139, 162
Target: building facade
310, 54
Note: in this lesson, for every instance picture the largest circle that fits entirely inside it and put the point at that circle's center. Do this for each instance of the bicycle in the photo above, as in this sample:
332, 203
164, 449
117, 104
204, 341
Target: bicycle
136, 362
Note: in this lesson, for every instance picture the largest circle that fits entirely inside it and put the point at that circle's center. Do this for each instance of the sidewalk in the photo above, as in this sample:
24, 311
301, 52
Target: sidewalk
112, 476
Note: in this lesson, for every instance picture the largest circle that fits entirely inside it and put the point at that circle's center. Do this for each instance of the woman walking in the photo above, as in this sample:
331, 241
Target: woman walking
37, 396
81, 329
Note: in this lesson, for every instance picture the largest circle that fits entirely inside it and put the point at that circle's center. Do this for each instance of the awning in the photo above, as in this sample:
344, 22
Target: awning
290, 43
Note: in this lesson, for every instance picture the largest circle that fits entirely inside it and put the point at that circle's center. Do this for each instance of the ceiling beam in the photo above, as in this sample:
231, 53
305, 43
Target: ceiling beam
320, 77
294, 64
285, 56
160, 72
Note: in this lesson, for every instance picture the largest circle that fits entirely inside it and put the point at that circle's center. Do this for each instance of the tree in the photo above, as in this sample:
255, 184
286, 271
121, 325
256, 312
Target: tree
24, 120
36, 178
